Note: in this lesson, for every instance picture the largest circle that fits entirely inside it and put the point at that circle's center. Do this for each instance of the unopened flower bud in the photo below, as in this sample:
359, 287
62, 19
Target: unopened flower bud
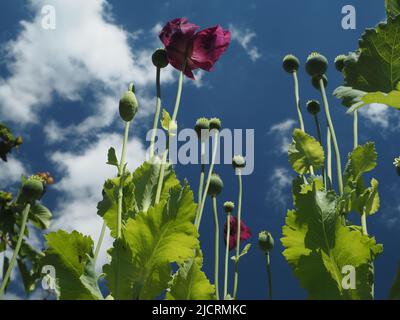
229, 206
290, 63
339, 62
238, 162
32, 189
128, 105
216, 185
215, 123
313, 107
201, 127
265, 241
316, 84
159, 58
316, 65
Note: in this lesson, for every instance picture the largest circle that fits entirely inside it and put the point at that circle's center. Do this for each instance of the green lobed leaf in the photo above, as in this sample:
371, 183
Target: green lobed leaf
112, 158
71, 256
392, 8
305, 151
40, 216
318, 246
153, 240
361, 160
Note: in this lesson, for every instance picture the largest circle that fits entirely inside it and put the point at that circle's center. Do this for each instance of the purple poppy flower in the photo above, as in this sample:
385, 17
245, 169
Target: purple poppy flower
245, 232
199, 50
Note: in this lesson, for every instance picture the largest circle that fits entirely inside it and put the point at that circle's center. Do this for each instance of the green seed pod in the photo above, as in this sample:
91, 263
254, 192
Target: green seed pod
128, 105
238, 161
291, 63
202, 124
339, 62
215, 123
159, 58
216, 185
315, 82
229, 206
316, 65
32, 189
313, 107
265, 241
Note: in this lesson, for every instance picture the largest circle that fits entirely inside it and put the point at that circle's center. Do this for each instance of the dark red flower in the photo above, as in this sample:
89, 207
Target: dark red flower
245, 232
199, 50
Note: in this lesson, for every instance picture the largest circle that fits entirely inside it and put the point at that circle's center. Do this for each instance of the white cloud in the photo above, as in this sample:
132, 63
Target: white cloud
83, 176
11, 172
87, 52
281, 133
280, 181
377, 114
245, 38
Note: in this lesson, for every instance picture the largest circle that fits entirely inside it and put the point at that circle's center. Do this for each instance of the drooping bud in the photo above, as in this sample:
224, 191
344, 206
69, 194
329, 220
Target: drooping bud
159, 58
128, 105
265, 241
32, 188
291, 63
313, 107
316, 65
238, 162
201, 127
216, 185
339, 62
229, 206
215, 123
315, 82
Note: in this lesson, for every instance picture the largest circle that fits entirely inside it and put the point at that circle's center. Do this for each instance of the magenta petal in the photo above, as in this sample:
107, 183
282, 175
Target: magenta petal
245, 232
177, 26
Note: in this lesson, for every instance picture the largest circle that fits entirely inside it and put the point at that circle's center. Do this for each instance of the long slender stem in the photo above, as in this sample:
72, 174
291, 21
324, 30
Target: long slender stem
161, 176
100, 241
329, 159
216, 256
121, 172
355, 129
319, 134
157, 113
228, 235
333, 134
202, 174
25, 214
297, 97
210, 171
236, 279
269, 275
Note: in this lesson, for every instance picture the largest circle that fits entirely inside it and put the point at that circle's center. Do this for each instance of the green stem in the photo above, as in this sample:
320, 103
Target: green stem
210, 171
100, 241
157, 114
297, 98
329, 159
319, 134
202, 174
25, 214
228, 234
236, 279
216, 257
161, 176
121, 172
355, 129
333, 134
269, 275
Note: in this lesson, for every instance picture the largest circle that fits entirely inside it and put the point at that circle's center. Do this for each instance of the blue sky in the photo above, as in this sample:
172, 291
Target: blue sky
60, 90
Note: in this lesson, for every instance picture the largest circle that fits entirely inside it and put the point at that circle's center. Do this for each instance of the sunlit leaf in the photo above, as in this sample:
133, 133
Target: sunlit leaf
165, 120
112, 158
392, 8
40, 216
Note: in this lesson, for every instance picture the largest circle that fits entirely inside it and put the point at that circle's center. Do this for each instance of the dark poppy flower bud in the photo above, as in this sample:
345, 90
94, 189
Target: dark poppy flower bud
315, 82
339, 62
215, 123
159, 58
313, 107
316, 65
265, 241
291, 63
229, 206
238, 161
201, 127
32, 189
216, 185
128, 105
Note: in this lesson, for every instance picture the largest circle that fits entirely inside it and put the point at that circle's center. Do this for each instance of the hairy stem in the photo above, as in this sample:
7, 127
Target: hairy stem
236, 278
333, 134
100, 241
269, 275
202, 174
329, 159
319, 135
297, 98
228, 234
157, 114
216, 254
355, 129
25, 214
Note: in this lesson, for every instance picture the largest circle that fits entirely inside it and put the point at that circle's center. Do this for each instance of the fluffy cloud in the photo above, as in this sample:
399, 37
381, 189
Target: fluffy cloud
281, 133
83, 176
245, 38
11, 172
280, 181
87, 53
